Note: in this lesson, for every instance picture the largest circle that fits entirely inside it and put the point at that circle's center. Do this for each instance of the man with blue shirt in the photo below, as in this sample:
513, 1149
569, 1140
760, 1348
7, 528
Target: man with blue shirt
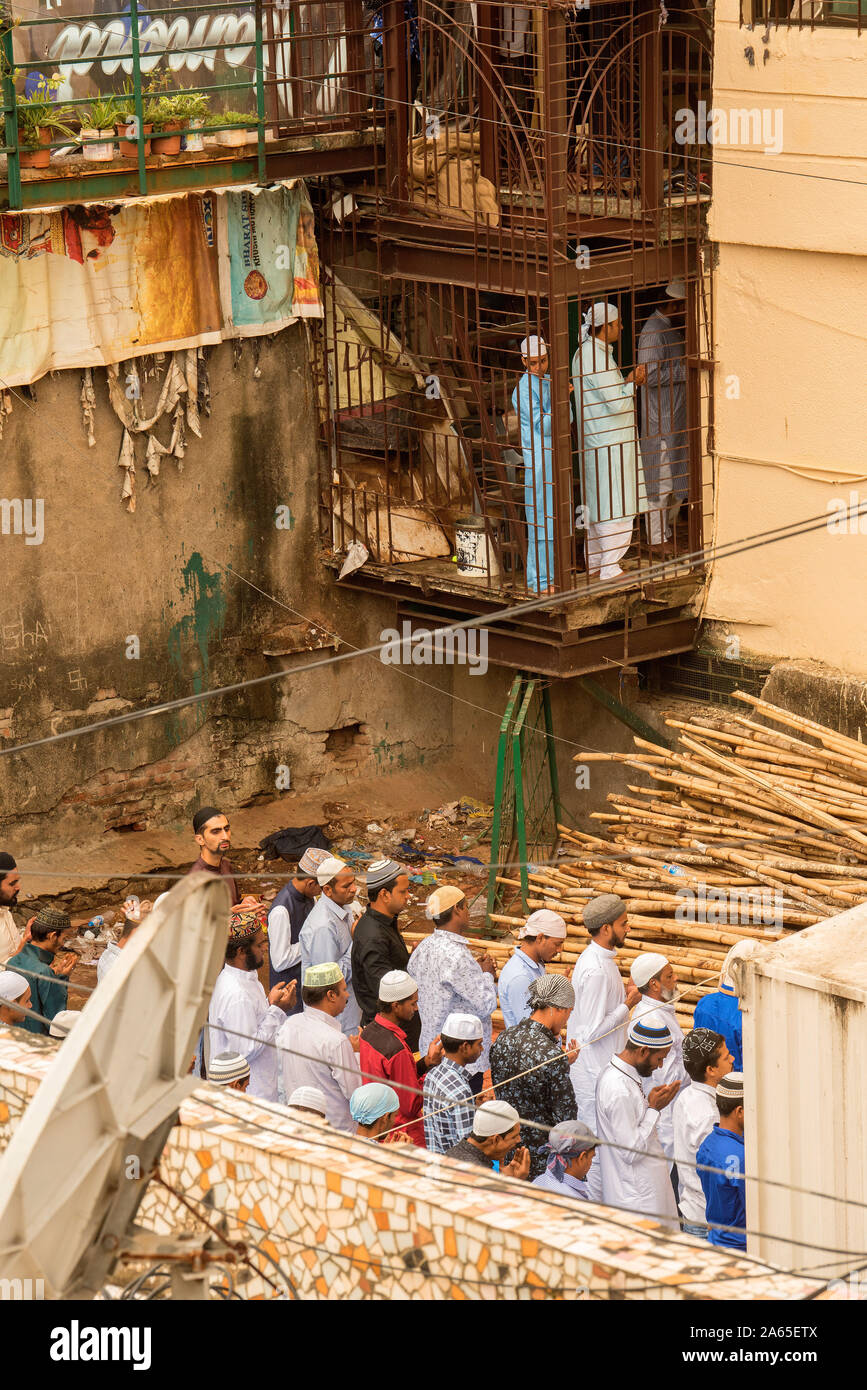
327, 934
723, 1151
720, 1012
541, 939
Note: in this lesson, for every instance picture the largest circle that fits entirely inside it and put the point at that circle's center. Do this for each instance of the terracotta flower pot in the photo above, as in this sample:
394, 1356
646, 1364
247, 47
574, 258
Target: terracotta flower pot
167, 142
102, 153
129, 148
37, 159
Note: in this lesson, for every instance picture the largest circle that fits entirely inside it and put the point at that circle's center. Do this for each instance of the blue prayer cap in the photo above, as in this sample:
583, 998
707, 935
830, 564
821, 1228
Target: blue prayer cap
371, 1102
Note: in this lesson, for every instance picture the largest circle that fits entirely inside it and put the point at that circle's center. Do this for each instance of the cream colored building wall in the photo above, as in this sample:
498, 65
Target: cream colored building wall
791, 338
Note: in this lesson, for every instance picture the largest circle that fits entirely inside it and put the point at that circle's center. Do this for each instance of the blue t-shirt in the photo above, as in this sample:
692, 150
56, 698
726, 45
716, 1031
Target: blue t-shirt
725, 1193
721, 1013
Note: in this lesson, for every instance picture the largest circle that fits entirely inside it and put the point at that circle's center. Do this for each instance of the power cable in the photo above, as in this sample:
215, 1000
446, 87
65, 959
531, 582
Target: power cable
517, 610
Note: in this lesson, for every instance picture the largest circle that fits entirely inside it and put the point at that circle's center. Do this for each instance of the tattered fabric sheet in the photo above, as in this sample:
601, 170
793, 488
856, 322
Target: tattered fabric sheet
94, 285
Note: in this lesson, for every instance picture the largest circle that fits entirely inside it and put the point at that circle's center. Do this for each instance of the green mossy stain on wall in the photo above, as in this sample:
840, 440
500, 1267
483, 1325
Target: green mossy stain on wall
203, 626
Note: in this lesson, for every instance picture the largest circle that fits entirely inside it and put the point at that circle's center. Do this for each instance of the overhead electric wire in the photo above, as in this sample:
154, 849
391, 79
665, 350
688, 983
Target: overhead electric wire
700, 558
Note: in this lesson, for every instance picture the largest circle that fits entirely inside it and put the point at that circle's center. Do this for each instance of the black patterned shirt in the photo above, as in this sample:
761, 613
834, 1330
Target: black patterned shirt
546, 1096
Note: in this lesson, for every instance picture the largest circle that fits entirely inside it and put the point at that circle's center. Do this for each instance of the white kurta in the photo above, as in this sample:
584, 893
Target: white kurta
600, 1007
631, 1181
328, 1063
694, 1114
10, 937
240, 1003
671, 1070
110, 955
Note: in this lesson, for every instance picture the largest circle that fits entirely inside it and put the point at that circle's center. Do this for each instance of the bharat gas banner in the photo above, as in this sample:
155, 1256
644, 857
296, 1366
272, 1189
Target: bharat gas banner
90, 49
86, 286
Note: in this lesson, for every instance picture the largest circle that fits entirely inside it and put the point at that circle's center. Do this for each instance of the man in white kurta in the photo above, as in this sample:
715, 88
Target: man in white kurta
598, 1021
612, 479
242, 1018
654, 975
11, 936
694, 1113
315, 1051
635, 1171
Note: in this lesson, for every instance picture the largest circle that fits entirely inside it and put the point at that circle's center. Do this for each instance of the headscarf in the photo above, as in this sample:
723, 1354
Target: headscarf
551, 992
597, 315
369, 1103
567, 1141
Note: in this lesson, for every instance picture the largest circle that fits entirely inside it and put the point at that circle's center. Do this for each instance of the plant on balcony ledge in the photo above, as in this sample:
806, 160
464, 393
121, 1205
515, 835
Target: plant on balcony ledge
236, 137
126, 125
40, 120
97, 124
192, 109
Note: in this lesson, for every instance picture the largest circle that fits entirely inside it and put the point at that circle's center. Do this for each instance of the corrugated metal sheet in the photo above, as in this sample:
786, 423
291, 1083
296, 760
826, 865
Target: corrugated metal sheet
804, 1004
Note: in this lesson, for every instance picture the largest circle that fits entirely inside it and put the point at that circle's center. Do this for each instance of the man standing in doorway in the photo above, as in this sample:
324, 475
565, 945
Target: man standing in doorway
214, 837
664, 439
531, 400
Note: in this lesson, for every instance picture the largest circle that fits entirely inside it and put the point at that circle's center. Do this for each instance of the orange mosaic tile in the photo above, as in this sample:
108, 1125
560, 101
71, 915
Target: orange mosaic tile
374, 1197
204, 1157
381, 1217
482, 1261
529, 1248
450, 1245
332, 1181
259, 1218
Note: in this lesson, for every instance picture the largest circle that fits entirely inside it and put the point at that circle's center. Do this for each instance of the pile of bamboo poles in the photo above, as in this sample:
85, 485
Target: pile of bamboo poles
744, 831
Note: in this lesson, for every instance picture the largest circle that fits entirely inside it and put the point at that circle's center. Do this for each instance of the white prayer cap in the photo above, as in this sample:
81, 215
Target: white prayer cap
63, 1023
311, 860
533, 346
465, 1027
544, 922
645, 966
441, 899
601, 313
676, 289
396, 985
494, 1117
650, 1030
328, 870
308, 1098
742, 950
12, 986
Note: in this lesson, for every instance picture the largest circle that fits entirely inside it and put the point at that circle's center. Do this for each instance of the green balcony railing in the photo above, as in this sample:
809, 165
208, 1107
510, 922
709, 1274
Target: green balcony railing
113, 90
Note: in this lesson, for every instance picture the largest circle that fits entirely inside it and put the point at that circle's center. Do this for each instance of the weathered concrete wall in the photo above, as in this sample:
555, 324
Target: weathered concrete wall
173, 574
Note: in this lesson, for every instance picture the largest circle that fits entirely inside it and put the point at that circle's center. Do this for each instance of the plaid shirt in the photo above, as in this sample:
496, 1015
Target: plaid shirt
443, 1085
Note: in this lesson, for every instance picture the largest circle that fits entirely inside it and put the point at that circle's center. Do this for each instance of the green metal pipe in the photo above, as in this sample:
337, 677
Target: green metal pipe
139, 104
623, 713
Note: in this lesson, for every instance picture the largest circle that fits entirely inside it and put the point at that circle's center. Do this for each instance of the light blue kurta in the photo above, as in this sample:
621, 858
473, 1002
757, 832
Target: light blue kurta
532, 401
327, 936
516, 976
612, 475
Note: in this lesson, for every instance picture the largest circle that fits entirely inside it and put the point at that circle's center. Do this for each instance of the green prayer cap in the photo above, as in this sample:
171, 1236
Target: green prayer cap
320, 976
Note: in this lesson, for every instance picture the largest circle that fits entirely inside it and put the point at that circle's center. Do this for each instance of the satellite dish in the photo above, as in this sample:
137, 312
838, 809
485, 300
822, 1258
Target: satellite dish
77, 1166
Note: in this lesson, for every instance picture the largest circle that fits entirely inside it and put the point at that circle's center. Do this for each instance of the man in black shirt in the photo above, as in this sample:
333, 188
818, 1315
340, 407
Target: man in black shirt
377, 945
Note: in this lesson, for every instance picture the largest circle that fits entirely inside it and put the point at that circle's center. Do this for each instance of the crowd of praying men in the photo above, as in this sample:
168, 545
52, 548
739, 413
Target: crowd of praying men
594, 1093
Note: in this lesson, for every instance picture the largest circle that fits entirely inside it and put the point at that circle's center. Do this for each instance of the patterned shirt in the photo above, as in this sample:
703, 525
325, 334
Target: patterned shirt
545, 1096
450, 980
443, 1085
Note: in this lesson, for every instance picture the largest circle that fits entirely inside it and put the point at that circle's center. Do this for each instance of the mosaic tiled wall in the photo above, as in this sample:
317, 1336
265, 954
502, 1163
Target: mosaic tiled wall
343, 1218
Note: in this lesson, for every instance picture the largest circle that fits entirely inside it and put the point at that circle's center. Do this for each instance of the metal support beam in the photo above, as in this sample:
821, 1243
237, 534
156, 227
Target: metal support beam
623, 713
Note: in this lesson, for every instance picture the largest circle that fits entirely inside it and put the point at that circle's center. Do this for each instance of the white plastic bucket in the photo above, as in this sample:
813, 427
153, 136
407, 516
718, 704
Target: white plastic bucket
473, 549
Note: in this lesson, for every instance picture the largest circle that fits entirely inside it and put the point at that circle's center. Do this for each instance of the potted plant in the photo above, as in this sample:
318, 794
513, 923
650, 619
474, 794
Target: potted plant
192, 108
168, 121
126, 125
40, 119
236, 137
97, 124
